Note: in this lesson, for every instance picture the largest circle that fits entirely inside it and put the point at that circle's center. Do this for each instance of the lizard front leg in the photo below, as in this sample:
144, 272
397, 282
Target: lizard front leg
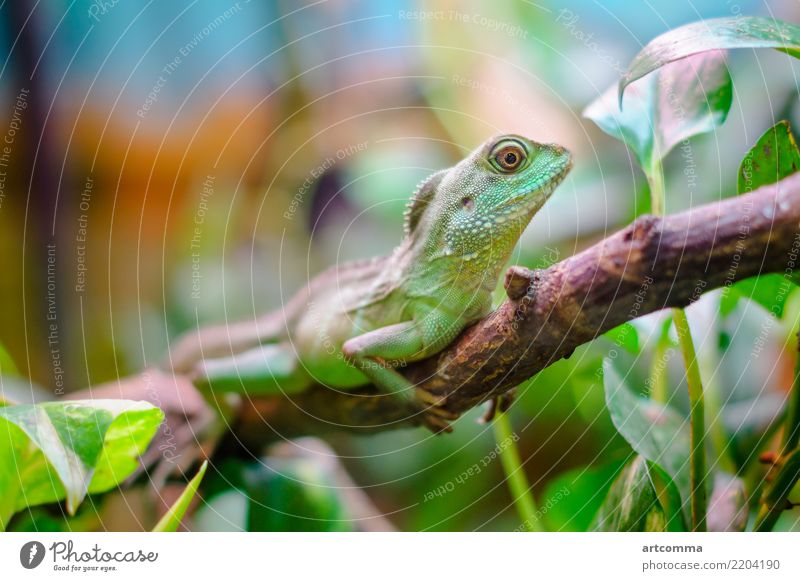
377, 354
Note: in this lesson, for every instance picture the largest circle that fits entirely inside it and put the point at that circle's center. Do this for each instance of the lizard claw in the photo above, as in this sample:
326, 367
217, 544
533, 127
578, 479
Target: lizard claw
430, 399
442, 413
436, 424
434, 417
505, 401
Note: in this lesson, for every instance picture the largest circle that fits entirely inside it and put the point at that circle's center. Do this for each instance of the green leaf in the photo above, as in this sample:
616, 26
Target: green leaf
684, 99
768, 290
653, 430
293, 495
65, 449
170, 522
626, 336
706, 35
773, 157
668, 497
632, 503
571, 500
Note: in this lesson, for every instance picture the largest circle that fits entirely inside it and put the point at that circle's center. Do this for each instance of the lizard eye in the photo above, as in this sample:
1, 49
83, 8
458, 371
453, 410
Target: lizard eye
468, 203
508, 156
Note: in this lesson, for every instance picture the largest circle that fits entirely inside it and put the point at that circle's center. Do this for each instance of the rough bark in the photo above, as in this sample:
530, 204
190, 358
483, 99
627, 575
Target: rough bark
652, 264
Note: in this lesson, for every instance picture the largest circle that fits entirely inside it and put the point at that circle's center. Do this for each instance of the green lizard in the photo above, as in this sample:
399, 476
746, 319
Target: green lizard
358, 322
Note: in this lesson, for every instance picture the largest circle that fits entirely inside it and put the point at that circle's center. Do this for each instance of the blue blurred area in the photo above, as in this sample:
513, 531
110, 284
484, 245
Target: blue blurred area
116, 43
121, 47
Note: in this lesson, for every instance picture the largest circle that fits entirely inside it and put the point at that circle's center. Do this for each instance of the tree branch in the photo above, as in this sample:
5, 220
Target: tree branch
652, 264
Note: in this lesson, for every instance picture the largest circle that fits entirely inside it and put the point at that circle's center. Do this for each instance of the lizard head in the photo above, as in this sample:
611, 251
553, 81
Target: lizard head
474, 212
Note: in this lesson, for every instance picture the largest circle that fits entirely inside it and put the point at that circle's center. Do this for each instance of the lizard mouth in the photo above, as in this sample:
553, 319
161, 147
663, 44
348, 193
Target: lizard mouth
559, 177
518, 205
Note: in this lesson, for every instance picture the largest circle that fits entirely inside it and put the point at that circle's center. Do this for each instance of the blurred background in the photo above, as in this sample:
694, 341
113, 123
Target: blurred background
167, 165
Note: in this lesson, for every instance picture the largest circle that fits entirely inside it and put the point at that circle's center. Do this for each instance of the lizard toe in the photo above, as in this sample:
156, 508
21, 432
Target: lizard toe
443, 413
436, 424
429, 398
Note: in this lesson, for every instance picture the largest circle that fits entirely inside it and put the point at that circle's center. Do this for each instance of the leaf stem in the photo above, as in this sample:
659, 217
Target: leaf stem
697, 421
658, 375
517, 481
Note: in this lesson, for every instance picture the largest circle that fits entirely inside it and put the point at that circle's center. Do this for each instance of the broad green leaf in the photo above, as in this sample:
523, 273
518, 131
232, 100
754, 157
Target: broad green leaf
668, 497
626, 336
65, 449
706, 35
683, 99
729, 300
769, 290
773, 157
170, 522
293, 495
571, 500
632, 503
577, 386
653, 430
126, 439
567, 386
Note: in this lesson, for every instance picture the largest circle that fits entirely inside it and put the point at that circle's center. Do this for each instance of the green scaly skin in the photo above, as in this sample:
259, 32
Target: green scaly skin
359, 322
